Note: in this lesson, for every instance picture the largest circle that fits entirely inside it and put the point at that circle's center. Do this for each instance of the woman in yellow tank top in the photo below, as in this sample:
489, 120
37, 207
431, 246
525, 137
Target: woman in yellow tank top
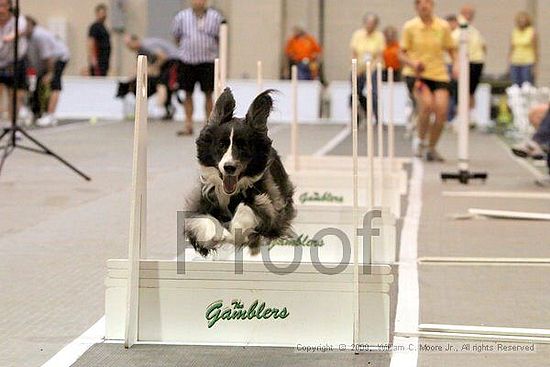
523, 50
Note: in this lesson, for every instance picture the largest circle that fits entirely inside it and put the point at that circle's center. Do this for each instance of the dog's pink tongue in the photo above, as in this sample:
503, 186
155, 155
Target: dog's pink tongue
229, 184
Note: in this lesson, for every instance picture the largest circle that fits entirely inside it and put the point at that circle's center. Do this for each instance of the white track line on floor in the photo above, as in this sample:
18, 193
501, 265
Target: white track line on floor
499, 194
72, 351
522, 162
333, 143
407, 314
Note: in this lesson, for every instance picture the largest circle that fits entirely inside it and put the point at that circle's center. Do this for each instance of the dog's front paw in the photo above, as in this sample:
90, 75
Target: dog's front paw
243, 224
205, 234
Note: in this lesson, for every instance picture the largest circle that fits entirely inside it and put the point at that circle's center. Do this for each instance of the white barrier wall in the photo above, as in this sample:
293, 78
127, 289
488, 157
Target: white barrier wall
85, 98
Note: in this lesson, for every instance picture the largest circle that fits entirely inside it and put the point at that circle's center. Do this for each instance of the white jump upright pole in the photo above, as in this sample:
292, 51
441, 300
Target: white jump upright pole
259, 76
294, 129
223, 56
216, 79
356, 305
370, 141
379, 112
391, 131
380, 123
464, 175
137, 238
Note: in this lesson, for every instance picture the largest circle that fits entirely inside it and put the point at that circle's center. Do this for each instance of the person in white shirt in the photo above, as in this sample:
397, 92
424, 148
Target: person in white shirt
477, 47
9, 74
53, 56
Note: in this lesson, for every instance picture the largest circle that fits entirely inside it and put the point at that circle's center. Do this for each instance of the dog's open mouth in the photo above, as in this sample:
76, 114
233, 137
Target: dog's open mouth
230, 183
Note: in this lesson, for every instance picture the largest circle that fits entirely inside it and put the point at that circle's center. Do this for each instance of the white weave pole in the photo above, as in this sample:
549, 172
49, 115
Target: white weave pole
391, 136
294, 128
354, 102
137, 237
463, 101
370, 141
223, 56
259, 76
380, 112
216, 79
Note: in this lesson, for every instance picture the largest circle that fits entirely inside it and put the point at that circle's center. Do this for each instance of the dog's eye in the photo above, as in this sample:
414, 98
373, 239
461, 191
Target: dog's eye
222, 143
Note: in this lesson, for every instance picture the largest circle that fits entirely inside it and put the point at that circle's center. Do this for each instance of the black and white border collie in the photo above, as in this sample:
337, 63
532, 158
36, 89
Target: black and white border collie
245, 196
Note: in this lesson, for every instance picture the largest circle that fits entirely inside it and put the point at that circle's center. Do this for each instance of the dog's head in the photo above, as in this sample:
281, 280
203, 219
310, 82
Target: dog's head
235, 151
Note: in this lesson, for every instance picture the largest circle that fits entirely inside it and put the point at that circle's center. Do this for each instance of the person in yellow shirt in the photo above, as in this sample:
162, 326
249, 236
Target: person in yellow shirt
477, 48
523, 50
367, 44
426, 39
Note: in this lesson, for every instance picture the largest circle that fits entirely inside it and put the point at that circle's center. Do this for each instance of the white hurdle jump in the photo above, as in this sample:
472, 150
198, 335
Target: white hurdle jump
317, 190
149, 301
391, 167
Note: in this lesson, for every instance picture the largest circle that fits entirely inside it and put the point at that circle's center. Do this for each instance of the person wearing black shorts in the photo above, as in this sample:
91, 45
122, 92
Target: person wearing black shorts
52, 55
201, 73
196, 31
9, 73
164, 69
426, 39
99, 43
477, 48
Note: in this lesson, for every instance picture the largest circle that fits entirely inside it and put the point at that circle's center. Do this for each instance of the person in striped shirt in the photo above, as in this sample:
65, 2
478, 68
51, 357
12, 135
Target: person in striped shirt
196, 31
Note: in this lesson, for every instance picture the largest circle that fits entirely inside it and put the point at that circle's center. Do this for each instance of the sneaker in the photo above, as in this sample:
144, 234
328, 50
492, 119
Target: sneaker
528, 149
433, 155
418, 148
46, 120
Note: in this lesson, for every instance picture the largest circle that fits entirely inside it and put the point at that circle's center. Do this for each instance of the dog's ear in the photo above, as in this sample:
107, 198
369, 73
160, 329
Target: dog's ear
259, 110
224, 108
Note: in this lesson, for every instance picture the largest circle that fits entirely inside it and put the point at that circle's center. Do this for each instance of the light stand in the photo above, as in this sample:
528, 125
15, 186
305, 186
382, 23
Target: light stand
13, 130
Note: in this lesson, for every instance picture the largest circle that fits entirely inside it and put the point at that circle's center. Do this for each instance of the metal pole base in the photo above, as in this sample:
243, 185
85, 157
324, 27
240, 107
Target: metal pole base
464, 176
13, 143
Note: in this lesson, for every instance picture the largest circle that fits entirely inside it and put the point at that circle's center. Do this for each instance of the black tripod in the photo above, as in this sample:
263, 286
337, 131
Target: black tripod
12, 131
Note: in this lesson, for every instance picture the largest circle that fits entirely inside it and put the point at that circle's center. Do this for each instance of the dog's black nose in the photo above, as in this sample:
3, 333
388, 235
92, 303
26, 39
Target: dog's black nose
229, 168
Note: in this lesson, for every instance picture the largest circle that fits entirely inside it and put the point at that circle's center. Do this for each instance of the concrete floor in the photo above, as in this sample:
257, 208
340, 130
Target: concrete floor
57, 231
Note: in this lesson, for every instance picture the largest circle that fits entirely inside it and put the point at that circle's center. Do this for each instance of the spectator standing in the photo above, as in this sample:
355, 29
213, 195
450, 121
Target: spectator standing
53, 55
426, 39
303, 51
367, 44
453, 86
196, 31
8, 72
523, 50
99, 43
477, 48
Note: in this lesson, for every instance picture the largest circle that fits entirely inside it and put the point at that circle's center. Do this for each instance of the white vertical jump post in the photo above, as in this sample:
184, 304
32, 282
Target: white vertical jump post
463, 175
137, 237
391, 136
356, 305
259, 76
294, 129
216, 79
223, 56
370, 141
380, 124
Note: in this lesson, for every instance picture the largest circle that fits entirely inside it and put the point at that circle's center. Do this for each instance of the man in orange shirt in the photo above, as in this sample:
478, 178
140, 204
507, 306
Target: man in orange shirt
303, 50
